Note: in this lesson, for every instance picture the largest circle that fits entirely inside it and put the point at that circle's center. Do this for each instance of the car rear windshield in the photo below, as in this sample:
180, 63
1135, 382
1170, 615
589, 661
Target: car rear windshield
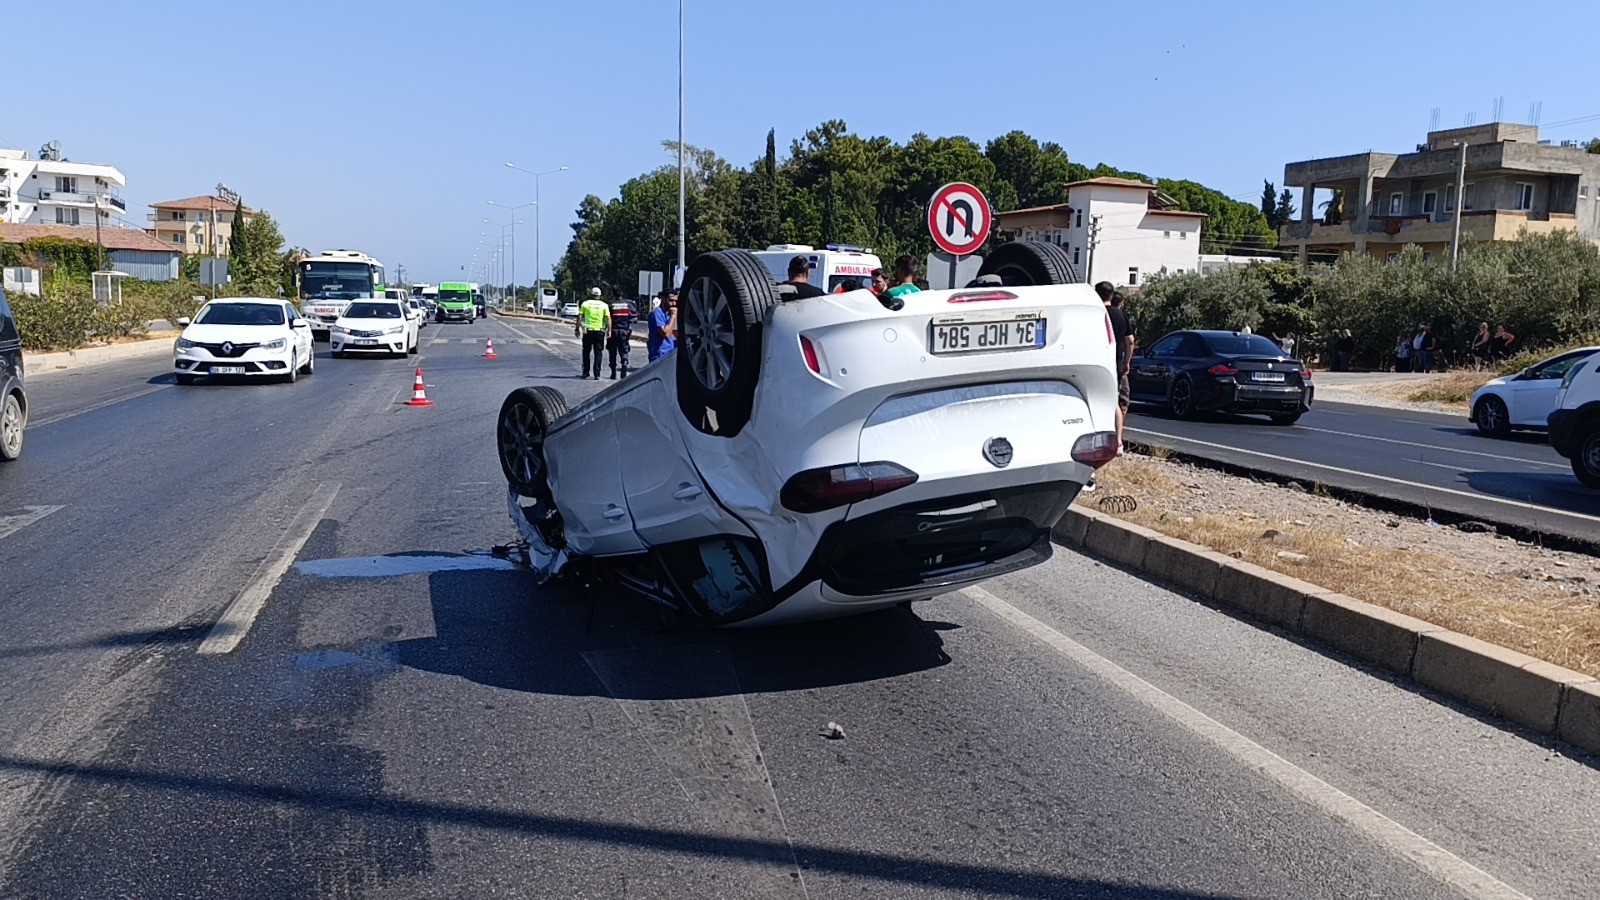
373, 311
241, 314
1243, 345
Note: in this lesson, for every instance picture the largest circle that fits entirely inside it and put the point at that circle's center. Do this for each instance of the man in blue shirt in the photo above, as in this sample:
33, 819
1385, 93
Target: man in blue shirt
664, 326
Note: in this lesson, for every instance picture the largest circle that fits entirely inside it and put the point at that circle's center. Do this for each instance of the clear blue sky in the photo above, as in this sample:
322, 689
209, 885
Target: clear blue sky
385, 126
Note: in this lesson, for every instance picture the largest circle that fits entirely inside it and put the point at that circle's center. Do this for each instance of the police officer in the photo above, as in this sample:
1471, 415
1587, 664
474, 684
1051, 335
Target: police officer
621, 337
594, 321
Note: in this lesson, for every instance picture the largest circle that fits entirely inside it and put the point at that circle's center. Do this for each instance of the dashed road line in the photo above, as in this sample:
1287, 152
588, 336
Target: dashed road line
236, 620
62, 417
1432, 859
1369, 437
11, 524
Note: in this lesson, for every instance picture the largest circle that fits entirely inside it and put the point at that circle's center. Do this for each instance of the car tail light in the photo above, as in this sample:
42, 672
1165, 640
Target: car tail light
809, 351
1306, 373
815, 490
1096, 448
1223, 369
981, 296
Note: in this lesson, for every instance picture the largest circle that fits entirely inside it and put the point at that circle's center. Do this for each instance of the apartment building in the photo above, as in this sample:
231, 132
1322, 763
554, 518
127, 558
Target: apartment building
49, 190
1515, 183
1116, 230
201, 224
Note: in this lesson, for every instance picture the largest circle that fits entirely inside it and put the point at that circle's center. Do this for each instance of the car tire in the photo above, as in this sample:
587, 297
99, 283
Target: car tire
1181, 400
416, 344
185, 379
722, 312
12, 424
1285, 418
1586, 457
524, 421
1025, 263
311, 362
1492, 417
294, 368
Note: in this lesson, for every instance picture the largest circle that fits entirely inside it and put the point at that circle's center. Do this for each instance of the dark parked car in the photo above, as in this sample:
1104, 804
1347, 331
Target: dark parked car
1190, 372
13, 402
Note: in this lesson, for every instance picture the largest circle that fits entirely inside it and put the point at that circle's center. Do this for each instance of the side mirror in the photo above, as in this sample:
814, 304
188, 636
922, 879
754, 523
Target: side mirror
300, 323
183, 321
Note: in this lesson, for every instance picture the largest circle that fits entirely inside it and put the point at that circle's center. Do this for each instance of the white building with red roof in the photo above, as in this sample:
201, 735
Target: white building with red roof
1116, 230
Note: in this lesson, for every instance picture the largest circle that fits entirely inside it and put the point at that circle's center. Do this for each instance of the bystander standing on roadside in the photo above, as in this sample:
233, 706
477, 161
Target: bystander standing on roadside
1402, 353
1479, 348
594, 323
1344, 349
800, 279
663, 337
1122, 336
905, 279
1423, 346
1500, 344
880, 281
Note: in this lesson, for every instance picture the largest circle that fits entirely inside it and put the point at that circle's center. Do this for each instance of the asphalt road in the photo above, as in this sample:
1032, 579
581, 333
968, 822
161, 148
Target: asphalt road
1437, 461
401, 716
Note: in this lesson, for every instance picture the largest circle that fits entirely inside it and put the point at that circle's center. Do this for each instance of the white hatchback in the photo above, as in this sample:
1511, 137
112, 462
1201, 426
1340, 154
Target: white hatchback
1526, 399
376, 326
245, 336
806, 458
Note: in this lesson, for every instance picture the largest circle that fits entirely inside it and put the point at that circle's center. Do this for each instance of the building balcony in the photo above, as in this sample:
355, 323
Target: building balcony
94, 199
1438, 228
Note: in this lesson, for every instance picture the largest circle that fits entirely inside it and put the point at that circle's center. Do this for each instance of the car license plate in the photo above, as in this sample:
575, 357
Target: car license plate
974, 334
364, 343
227, 370
1275, 377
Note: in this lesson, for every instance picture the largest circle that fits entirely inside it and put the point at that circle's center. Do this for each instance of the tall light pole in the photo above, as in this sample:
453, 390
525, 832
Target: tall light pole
513, 210
511, 225
538, 266
681, 258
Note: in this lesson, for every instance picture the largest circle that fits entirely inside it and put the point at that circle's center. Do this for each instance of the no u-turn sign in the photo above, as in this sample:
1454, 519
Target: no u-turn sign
959, 218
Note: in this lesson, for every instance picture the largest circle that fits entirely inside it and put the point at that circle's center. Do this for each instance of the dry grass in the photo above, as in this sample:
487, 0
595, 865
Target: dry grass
1454, 387
1490, 588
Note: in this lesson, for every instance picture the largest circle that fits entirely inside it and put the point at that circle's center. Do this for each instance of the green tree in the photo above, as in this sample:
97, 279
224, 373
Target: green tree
1230, 227
255, 253
1285, 209
1036, 174
1269, 201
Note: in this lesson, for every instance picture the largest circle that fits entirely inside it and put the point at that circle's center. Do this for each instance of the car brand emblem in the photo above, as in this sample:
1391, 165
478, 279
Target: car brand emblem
227, 346
998, 452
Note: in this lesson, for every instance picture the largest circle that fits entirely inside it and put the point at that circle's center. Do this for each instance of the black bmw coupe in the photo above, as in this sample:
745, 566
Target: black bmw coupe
1190, 372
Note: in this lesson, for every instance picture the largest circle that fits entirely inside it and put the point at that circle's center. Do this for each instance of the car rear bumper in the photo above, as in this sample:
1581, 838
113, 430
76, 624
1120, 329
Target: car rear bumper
1260, 398
1561, 422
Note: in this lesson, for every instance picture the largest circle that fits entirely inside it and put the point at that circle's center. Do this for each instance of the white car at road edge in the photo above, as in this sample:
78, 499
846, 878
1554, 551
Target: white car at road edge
376, 326
244, 336
806, 458
1526, 399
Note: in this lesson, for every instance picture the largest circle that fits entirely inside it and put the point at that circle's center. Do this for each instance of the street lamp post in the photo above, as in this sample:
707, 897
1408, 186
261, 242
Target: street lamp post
513, 226
538, 265
513, 210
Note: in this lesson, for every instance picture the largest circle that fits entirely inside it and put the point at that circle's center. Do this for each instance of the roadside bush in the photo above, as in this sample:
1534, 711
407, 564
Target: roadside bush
169, 300
55, 321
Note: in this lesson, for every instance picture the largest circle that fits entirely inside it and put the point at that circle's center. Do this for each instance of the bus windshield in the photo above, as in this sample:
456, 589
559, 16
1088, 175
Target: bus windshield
336, 280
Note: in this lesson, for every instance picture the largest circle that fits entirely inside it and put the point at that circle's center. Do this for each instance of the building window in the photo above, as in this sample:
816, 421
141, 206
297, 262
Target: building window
1167, 234
175, 215
1467, 196
177, 238
1393, 255
1133, 276
1080, 219
1183, 235
1430, 202
1583, 191
1450, 199
67, 184
1397, 204
66, 216
1075, 260
1524, 196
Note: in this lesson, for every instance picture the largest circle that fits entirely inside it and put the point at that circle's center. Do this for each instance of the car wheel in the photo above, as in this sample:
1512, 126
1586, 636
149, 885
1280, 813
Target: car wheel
1285, 418
311, 362
1492, 416
1181, 401
294, 368
1024, 263
416, 344
1586, 458
185, 379
525, 419
727, 295
11, 425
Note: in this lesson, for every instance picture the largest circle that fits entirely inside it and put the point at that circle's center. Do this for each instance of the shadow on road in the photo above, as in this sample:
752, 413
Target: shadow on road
490, 628
1558, 490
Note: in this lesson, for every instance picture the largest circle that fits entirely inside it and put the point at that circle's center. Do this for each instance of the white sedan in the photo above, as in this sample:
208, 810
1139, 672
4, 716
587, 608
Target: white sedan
376, 326
1526, 399
247, 336
824, 456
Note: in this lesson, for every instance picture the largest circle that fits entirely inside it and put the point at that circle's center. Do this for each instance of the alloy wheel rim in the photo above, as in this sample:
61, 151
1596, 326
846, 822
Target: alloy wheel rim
1591, 455
1180, 397
710, 334
1491, 415
520, 444
11, 425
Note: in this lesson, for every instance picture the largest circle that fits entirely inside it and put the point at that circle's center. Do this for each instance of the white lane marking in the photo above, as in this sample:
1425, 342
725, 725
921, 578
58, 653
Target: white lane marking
438, 340
62, 417
1413, 484
1446, 466
15, 522
241, 613
1369, 437
1433, 860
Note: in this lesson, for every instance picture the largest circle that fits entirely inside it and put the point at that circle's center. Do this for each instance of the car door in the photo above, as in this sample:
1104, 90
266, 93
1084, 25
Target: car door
300, 337
1533, 394
1149, 374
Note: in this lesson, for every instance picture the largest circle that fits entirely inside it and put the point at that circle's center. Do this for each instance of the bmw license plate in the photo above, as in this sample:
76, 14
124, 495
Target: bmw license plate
1274, 377
227, 370
977, 333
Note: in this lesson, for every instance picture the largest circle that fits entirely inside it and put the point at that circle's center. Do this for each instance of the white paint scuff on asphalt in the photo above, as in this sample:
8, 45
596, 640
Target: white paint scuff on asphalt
15, 522
393, 566
1433, 860
1487, 498
241, 613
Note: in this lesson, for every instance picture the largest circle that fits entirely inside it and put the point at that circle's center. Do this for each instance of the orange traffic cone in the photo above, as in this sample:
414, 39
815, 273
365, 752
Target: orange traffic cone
489, 353
419, 395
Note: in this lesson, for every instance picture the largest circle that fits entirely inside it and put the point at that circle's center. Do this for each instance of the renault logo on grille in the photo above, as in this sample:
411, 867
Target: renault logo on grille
998, 452
227, 346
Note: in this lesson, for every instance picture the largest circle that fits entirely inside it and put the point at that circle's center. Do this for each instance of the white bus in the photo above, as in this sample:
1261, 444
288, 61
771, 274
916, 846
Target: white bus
327, 284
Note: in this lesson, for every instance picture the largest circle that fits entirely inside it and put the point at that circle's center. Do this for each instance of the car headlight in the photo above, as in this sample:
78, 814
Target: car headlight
336, 329
398, 329
183, 344
278, 344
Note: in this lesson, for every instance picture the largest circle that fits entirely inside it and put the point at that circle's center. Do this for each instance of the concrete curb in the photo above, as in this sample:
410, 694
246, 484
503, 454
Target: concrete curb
1503, 683
88, 356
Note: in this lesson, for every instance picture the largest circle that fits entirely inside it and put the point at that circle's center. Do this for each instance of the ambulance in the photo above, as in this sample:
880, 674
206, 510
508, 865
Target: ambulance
831, 266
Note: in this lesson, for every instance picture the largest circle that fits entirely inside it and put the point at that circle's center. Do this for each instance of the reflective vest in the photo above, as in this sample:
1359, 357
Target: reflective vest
593, 315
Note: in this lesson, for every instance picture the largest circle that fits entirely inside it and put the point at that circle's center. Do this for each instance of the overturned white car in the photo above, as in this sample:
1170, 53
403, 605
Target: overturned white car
799, 459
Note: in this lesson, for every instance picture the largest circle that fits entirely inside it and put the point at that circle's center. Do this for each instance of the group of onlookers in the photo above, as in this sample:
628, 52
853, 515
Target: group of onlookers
1419, 352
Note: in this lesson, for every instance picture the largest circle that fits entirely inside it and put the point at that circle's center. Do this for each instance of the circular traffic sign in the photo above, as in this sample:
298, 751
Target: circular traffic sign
959, 218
